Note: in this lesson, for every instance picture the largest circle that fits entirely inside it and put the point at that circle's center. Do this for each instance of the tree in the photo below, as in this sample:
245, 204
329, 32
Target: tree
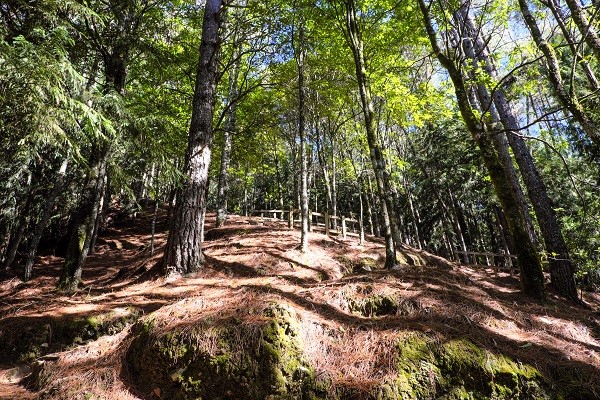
355, 42
567, 98
561, 266
112, 43
183, 252
532, 279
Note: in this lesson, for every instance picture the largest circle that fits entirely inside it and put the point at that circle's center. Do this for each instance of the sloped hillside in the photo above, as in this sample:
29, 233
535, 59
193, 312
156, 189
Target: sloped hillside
264, 321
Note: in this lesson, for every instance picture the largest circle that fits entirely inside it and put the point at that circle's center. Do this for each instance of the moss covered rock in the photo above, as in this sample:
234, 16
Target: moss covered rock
25, 340
458, 369
260, 358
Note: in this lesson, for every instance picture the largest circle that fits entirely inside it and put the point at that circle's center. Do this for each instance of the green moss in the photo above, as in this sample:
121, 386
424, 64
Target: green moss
262, 358
358, 265
458, 369
27, 343
374, 306
227, 358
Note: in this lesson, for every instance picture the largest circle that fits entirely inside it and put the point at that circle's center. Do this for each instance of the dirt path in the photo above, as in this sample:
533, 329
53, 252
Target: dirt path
9, 386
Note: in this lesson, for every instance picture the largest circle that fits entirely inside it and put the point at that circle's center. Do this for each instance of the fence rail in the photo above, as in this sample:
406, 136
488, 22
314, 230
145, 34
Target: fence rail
483, 259
354, 227
349, 226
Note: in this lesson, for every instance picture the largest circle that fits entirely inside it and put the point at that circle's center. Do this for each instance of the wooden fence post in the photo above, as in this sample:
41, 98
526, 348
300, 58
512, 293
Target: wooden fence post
291, 219
344, 227
309, 220
326, 224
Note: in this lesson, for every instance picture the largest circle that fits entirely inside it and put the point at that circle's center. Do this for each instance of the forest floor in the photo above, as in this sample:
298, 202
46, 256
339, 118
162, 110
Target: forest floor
248, 263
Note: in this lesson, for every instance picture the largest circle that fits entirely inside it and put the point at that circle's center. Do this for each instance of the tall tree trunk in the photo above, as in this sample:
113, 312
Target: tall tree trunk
587, 30
377, 159
324, 168
580, 59
300, 54
183, 252
561, 266
38, 231
481, 96
373, 217
414, 212
458, 230
17, 237
102, 205
333, 182
232, 94
84, 220
532, 279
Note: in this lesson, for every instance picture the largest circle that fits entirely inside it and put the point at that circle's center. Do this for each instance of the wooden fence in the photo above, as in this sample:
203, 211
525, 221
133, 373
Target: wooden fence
497, 261
349, 226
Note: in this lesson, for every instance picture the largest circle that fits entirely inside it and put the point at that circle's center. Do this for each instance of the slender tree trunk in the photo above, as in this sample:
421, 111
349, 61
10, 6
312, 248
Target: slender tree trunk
17, 237
300, 56
458, 231
587, 30
38, 231
561, 20
333, 183
377, 158
223, 185
154, 214
324, 168
532, 279
103, 206
508, 244
84, 220
373, 217
480, 95
183, 253
561, 266
415, 215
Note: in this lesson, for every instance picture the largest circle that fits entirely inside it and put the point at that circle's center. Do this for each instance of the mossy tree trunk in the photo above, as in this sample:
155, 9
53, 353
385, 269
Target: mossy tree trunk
561, 266
532, 279
84, 221
353, 33
86, 214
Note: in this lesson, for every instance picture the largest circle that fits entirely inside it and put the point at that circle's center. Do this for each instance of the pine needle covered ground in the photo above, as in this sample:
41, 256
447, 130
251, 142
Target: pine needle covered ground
349, 316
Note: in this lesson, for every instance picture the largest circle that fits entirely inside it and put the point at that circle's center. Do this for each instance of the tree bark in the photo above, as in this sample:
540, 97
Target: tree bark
532, 279
183, 252
39, 228
588, 32
377, 159
17, 237
561, 20
560, 264
232, 95
300, 54
84, 220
